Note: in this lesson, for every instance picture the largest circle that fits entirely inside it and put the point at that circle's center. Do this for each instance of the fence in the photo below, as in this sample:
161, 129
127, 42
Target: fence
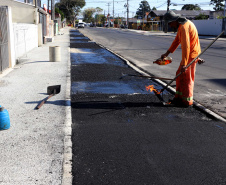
209, 27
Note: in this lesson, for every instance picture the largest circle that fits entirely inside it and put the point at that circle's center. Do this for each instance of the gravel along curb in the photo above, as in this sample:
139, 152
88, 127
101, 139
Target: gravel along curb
171, 89
67, 161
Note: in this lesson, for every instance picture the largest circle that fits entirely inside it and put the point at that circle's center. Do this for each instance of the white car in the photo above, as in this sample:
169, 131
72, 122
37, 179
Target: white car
81, 25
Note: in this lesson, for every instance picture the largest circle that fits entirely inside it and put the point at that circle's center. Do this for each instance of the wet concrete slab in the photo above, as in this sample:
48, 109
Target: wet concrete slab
113, 87
79, 37
78, 41
93, 56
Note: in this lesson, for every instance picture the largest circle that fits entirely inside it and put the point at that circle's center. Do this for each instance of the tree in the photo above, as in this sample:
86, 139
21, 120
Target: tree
102, 19
144, 7
57, 10
71, 8
191, 7
154, 8
221, 17
97, 16
218, 4
99, 10
88, 15
201, 17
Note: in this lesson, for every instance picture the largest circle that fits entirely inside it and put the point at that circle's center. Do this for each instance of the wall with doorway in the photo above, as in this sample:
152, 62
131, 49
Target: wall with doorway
25, 38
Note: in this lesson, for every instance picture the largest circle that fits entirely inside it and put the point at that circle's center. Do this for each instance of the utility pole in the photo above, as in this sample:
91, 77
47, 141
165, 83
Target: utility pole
127, 13
127, 10
168, 4
143, 17
48, 6
53, 9
166, 26
113, 13
108, 15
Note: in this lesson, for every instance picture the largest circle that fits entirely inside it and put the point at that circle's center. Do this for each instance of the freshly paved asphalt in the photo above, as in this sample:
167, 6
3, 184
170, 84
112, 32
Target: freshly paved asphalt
143, 47
122, 134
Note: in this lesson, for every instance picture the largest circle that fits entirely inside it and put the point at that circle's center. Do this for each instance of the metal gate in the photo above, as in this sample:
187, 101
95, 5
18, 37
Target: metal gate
42, 18
4, 51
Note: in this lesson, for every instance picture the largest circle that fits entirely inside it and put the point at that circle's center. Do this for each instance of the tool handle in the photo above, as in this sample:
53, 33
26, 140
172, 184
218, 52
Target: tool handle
155, 77
43, 101
192, 61
160, 78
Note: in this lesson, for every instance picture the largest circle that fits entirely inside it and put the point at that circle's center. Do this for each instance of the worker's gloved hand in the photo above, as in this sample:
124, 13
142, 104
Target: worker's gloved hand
183, 69
165, 55
200, 61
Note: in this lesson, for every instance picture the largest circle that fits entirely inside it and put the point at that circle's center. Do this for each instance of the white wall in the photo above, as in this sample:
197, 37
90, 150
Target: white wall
208, 27
25, 38
12, 60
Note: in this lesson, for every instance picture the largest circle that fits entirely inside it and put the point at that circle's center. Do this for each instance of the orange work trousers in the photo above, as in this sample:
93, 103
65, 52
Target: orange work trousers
185, 84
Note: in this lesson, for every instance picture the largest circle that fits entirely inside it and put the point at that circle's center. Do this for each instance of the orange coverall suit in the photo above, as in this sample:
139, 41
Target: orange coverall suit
187, 36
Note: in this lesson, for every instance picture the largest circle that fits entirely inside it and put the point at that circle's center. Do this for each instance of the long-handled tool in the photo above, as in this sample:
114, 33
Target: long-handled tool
192, 61
152, 77
51, 91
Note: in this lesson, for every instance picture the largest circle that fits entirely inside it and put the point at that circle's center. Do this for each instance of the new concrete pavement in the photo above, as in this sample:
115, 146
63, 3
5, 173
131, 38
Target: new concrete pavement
36, 148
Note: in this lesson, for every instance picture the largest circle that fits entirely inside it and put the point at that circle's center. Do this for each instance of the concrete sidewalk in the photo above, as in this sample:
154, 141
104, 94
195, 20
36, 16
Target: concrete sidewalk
36, 149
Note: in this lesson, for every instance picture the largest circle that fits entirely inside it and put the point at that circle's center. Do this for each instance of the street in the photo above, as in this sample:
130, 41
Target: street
122, 134
142, 49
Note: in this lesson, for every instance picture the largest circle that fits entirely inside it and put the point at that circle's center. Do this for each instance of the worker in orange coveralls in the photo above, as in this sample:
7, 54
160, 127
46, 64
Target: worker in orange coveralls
187, 36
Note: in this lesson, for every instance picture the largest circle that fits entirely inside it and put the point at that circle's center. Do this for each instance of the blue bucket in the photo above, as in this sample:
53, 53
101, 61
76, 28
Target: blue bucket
4, 119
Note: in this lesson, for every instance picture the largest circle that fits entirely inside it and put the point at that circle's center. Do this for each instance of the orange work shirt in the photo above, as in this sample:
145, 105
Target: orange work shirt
187, 36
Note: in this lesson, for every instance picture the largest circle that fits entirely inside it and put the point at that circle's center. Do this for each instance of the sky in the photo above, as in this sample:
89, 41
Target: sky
120, 10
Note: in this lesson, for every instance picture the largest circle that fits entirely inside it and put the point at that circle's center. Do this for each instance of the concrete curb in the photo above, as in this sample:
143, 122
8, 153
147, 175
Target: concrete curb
140, 70
67, 162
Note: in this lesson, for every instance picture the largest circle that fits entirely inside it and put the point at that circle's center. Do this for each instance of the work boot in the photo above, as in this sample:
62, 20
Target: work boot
175, 101
182, 105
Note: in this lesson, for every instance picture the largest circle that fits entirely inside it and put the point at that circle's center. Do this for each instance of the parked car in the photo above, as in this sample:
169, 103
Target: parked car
124, 26
92, 25
81, 25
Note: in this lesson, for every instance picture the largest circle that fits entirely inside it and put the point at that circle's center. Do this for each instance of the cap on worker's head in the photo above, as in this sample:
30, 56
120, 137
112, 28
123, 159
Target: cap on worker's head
170, 17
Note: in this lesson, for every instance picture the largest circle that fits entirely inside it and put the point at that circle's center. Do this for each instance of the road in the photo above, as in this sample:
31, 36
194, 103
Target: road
122, 134
142, 49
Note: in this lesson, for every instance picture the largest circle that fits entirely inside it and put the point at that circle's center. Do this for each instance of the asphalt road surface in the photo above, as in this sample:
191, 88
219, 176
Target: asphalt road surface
122, 134
143, 48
